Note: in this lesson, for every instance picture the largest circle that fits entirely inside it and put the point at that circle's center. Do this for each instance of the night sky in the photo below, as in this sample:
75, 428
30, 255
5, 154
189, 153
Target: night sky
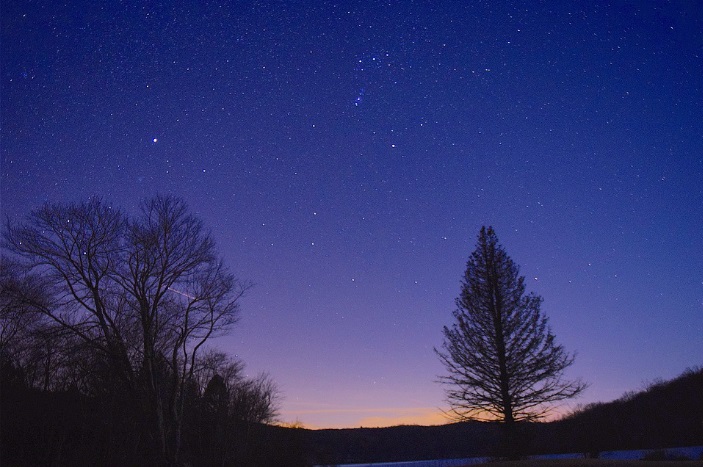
345, 156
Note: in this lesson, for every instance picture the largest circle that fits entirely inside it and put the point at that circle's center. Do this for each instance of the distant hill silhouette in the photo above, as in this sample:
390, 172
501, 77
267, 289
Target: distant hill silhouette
401, 443
666, 414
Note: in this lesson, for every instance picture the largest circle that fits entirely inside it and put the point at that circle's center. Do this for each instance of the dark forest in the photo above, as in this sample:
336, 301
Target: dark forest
65, 428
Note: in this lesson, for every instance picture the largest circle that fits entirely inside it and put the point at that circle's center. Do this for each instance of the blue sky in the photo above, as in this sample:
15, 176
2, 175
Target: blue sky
345, 157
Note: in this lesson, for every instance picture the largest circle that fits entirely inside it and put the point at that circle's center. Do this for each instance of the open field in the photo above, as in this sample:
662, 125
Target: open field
593, 462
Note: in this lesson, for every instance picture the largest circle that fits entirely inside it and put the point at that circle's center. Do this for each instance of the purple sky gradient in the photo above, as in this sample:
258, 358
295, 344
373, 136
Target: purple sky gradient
345, 156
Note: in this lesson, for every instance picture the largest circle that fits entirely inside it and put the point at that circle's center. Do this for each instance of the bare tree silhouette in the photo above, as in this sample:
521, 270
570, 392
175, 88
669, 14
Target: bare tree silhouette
146, 293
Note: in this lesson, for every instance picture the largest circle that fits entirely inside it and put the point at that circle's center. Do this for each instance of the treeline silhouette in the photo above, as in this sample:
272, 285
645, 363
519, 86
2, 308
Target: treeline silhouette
665, 414
64, 426
106, 325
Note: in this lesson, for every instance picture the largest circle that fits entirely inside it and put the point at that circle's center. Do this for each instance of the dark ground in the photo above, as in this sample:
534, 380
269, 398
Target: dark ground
594, 462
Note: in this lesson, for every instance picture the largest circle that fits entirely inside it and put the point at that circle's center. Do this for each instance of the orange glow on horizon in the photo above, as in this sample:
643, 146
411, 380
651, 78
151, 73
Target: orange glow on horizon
332, 418
364, 417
